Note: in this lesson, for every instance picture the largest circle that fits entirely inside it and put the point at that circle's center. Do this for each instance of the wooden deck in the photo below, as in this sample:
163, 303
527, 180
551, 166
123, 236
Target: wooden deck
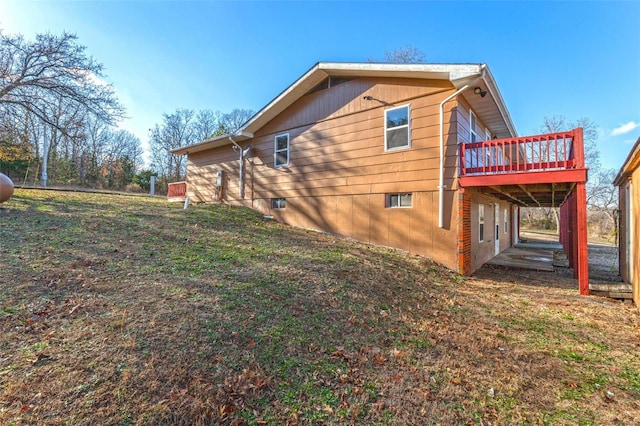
537, 171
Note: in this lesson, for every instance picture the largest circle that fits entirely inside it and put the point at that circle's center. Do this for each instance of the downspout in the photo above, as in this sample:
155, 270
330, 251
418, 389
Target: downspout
441, 186
238, 149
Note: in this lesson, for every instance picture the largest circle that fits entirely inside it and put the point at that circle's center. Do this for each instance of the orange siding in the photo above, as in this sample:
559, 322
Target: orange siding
464, 126
339, 172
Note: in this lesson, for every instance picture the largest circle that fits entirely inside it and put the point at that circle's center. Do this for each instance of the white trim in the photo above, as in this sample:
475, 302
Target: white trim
387, 201
276, 150
278, 203
460, 76
506, 220
408, 127
494, 91
441, 186
473, 127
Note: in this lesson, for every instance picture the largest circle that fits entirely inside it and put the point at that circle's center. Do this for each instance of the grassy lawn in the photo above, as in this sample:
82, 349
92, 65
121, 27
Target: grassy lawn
130, 311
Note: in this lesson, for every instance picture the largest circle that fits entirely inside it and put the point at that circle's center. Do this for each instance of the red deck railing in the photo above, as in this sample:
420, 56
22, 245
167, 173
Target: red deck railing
177, 191
555, 151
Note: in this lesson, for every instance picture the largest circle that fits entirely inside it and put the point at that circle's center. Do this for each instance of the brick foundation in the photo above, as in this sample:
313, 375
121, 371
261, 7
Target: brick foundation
464, 232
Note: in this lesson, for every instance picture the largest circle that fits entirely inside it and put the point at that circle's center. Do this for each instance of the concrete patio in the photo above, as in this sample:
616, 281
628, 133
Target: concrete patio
533, 255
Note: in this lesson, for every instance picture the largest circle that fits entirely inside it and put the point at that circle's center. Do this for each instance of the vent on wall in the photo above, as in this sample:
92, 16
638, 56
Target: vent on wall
328, 82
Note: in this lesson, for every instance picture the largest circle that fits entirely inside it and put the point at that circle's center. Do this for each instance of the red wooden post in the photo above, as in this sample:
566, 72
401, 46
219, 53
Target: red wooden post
578, 147
581, 238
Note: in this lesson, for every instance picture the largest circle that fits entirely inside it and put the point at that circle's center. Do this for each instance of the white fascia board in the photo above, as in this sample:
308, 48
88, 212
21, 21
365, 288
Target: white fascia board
451, 72
321, 70
457, 74
625, 169
214, 142
497, 96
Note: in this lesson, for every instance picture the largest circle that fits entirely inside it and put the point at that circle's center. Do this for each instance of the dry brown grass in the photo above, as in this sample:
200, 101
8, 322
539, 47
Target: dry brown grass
121, 310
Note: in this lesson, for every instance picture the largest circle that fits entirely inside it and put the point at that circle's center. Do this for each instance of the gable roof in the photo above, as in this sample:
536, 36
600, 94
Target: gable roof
630, 164
492, 110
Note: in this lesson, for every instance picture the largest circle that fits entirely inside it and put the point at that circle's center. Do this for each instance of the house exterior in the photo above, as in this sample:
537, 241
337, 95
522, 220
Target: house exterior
628, 183
393, 155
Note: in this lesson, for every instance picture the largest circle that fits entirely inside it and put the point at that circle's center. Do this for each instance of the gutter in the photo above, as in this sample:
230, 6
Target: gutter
441, 185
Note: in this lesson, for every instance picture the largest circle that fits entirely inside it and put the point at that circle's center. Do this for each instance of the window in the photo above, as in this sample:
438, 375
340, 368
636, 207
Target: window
396, 128
473, 127
281, 151
506, 220
399, 200
278, 203
481, 222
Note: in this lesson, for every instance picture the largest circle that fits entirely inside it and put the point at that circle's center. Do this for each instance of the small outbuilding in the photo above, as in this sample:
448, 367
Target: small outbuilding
628, 183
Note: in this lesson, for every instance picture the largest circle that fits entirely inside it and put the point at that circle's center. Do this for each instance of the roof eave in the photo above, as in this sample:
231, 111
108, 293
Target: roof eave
495, 92
458, 74
630, 164
210, 143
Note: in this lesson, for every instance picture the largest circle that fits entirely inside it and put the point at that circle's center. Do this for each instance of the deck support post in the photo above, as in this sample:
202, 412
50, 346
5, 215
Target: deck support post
581, 247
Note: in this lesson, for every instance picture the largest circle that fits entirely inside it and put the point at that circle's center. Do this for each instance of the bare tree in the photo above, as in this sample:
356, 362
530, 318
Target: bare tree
601, 194
122, 157
176, 130
232, 121
558, 123
408, 54
207, 124
185, 127
53, 73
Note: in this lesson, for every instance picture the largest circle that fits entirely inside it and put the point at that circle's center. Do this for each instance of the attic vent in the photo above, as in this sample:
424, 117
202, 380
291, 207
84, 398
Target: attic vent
330, 82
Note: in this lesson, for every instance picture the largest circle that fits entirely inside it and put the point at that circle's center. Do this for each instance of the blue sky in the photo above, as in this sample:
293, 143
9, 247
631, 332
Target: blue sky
577, 59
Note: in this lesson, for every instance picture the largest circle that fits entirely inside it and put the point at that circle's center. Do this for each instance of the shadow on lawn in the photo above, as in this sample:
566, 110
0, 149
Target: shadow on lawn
145, 312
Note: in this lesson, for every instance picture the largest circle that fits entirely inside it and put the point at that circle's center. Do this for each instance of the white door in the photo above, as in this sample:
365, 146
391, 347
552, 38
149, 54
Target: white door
496, 225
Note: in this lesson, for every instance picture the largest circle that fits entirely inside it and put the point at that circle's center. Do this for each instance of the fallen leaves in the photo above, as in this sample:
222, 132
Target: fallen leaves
240, 322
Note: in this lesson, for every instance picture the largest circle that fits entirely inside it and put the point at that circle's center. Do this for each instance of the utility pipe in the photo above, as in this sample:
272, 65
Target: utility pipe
238, 148
441, 185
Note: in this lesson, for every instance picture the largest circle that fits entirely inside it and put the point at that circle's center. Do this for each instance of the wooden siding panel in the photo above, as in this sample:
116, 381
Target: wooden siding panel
348, 98
464, 125
361, 225
339, 172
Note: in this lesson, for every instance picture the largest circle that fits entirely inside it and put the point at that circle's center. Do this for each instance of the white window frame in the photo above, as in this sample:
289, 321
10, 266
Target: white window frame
487, 135
506, 220
408, 127
473, 130
277, 151
279, 203
398, 204
481, 223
